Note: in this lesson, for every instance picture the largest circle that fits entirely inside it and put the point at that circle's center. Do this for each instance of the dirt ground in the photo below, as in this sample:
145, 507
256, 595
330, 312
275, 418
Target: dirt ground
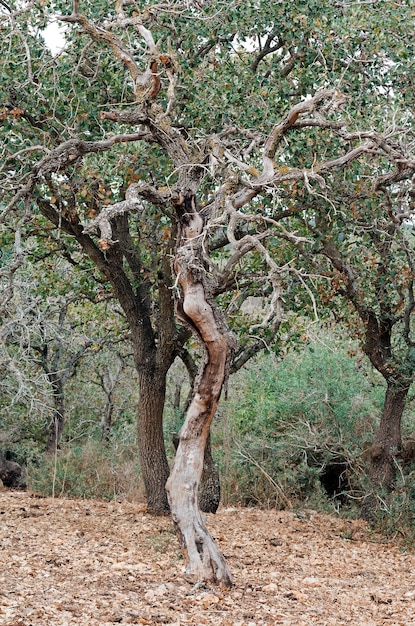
90, 562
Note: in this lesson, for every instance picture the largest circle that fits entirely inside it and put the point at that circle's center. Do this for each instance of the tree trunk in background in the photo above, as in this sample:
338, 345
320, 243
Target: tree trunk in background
386, 447
106, 421
387, 444
56, 427
209, 488
152, 358
153, 460
204, 561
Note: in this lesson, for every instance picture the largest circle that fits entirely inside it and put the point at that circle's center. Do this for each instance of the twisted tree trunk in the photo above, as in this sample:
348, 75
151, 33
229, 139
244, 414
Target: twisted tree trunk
209, 487
204, 561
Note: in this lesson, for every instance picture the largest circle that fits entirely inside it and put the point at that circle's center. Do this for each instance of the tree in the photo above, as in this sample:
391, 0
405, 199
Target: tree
366, 252
70, 184
259, 138
53, 319
63, 196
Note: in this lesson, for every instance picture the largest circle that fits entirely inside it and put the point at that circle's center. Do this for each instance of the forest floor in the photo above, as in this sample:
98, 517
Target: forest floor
91, 562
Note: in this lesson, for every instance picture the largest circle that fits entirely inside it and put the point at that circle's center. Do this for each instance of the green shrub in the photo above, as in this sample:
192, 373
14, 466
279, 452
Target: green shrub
393, 514
286, 423
90, 469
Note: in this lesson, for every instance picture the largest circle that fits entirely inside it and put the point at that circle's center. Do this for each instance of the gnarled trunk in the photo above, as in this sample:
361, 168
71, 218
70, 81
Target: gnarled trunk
387, 444
204, 561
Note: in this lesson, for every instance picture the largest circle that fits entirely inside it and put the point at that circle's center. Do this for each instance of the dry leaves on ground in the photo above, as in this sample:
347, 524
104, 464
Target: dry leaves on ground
66, 562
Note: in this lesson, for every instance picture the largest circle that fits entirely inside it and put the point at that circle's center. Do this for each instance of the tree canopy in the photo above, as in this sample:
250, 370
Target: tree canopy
198, 153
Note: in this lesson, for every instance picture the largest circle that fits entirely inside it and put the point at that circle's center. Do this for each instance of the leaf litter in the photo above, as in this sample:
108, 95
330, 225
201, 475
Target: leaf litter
90, 563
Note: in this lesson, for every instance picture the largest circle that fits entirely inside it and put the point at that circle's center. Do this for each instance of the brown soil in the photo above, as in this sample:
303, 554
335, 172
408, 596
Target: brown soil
89, 563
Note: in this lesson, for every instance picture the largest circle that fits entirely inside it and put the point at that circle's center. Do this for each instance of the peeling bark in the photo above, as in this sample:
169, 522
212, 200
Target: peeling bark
204, 561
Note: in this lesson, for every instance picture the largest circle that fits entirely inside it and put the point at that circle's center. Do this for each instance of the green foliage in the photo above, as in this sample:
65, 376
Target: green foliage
288, 425
393, 514
287, 421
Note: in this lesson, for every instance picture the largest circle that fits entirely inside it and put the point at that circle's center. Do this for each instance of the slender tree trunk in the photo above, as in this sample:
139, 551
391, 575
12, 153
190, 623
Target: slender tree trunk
387, 444
204, 561
109, 380
56, 427
106, 421
153, 460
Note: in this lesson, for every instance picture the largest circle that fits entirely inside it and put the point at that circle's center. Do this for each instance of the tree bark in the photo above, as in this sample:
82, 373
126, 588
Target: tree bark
387, 445
209, 487
153, 461
204, 561
106, 421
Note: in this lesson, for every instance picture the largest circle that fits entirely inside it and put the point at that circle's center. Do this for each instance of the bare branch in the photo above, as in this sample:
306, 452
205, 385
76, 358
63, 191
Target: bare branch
133, 202
101, 35
146, 84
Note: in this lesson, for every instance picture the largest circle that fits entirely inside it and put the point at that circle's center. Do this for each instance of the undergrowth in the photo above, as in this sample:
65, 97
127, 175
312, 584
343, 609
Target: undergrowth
292, 433
90, 469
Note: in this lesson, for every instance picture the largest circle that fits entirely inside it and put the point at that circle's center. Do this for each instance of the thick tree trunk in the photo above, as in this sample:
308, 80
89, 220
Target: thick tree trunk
152, 358
153, 349
153, 460
387, 444
204, 561
386, 448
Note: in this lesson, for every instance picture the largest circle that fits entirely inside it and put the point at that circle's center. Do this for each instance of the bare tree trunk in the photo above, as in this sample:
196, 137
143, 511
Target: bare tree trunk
108, 381
106, 421
204, 561
387, 444
209, 487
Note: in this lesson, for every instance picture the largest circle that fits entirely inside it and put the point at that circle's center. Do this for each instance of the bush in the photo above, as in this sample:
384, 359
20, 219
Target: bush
293, 431
90, 469
393, 514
